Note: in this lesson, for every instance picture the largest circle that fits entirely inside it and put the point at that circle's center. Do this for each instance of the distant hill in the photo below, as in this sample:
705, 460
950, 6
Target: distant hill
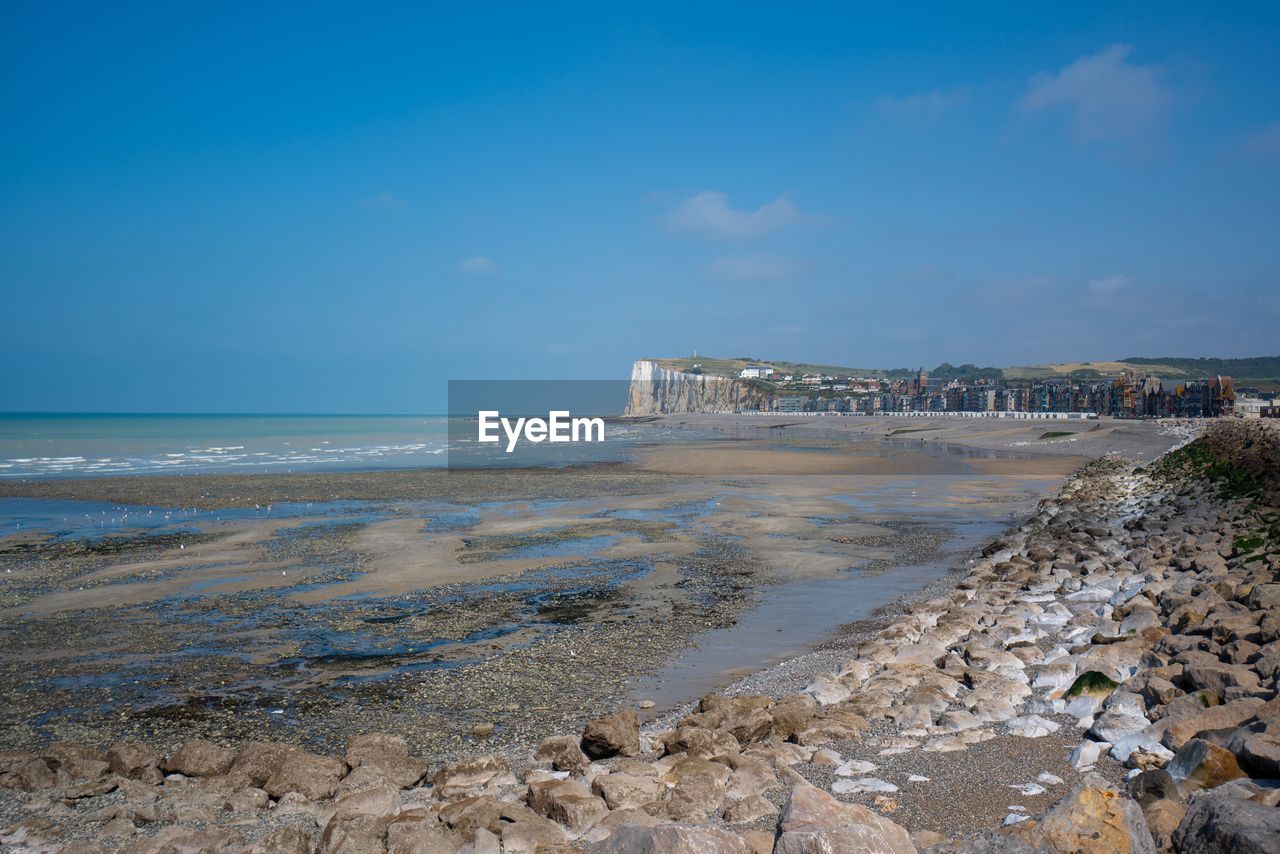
732, 367
1258, 366
1263, 371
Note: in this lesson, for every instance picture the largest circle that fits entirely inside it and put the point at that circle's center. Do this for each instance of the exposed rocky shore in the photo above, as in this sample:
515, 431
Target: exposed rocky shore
1119, 651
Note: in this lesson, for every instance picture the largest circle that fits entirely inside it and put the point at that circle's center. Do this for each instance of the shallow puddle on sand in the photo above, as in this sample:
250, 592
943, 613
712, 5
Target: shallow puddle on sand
795, 615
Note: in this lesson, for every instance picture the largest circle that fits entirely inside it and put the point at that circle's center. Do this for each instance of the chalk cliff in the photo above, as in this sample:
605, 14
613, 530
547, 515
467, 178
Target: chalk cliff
656, 390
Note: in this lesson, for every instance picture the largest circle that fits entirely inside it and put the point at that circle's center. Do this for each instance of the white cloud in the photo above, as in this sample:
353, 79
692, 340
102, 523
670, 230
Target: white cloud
708, 214
476, 265
1110, 284
1107, 96
1266, 141
383, 201
755, 268
925, 104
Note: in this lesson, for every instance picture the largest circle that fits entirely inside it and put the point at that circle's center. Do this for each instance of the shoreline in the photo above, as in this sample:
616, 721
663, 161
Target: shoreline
1019, 441
850, 728
692, 583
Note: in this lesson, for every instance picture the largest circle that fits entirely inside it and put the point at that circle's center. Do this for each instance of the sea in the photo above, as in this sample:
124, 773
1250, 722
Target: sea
48, 445
42, 445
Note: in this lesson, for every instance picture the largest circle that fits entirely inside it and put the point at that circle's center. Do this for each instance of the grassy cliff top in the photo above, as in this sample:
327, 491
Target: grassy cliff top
1263, 371
732, 367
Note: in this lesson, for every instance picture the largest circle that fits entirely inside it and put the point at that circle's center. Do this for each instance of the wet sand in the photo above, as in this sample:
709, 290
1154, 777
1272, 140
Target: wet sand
1038, 439
529, 601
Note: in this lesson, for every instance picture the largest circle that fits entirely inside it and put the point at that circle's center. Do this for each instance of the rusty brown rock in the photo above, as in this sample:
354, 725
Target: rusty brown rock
612, 735
812, 821
313, 777
135, 761
200, 758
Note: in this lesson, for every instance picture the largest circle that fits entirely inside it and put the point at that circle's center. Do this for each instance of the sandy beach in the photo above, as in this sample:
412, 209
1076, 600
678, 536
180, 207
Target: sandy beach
470, 611
442, 603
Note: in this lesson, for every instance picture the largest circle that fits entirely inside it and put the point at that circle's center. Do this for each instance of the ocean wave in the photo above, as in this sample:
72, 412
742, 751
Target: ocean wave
272, 453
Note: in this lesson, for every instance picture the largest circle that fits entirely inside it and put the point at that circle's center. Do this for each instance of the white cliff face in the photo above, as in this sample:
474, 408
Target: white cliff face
656, 390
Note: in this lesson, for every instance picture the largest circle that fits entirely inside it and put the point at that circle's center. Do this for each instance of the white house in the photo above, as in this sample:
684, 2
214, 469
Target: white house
751, 372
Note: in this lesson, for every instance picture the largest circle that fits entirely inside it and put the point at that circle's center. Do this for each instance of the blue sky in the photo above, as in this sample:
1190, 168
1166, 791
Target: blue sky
325, 207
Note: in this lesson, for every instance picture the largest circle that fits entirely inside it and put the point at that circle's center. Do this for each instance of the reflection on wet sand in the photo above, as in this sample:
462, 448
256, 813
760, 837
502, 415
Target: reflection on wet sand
425, 615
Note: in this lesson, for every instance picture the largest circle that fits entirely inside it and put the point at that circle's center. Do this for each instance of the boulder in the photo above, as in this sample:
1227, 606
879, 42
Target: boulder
747, 719
1257, 748
385, 756
89, 773
751, 776
792, 714
1177, 730
27, 773
562, 753
1087, 754
313, 777
200, 758
361, 779
489, 813
1219, 822
1031, 726
1095, 818
670, 839
135, 761
1220, 678
1150, 786
528, 836
625, 791
1265, 597
419, 831
612, 735
701, 742
359, 821
1163, 817
832, 725
460, 779
284, 840
749, 810
812, 821
1201, 764
258, 760
698, 791
568, 802
827, 690
1117, 722
605, 827
189, 840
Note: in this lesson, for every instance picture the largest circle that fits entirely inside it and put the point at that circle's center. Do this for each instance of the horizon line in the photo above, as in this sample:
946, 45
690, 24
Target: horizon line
126, 414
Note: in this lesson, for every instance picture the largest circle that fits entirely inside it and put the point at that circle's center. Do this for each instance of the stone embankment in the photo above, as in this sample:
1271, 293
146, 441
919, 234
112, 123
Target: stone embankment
1138, 613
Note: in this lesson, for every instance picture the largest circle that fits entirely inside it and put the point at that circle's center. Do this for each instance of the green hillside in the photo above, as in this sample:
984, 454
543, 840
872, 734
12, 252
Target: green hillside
732, 367
1257, 366
1262, 371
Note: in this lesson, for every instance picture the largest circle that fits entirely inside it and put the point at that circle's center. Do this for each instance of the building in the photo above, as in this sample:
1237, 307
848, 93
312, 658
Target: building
756, 372
1251, 407
922, 381
791, 403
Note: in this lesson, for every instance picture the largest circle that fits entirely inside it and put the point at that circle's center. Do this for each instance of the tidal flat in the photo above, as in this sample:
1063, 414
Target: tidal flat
462, 609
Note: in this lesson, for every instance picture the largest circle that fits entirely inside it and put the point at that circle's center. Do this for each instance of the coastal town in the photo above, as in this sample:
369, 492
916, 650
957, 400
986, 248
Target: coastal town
1127, 395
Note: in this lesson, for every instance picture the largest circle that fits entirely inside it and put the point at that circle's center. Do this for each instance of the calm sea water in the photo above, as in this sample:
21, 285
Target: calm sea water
45, 445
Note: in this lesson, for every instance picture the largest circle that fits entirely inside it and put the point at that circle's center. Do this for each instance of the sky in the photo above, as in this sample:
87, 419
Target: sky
323, 207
